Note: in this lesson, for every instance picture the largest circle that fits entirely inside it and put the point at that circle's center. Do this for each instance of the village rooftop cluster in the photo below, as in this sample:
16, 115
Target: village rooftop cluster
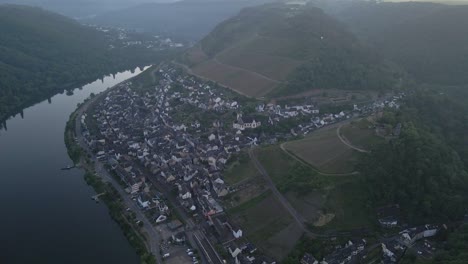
143, 137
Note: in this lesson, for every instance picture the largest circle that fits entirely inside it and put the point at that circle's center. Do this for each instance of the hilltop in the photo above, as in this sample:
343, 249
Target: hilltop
42, 53
281, 49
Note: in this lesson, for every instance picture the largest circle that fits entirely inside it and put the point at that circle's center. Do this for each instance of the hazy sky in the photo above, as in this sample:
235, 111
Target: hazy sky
435, 1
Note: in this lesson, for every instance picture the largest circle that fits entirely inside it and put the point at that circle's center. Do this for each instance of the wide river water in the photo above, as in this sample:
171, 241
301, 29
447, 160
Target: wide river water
46, 214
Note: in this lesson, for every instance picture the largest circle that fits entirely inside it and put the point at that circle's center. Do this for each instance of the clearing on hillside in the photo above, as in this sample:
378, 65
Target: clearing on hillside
324, 150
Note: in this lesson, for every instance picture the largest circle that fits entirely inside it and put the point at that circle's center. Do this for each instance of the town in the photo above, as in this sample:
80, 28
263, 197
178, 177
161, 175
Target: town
178, 136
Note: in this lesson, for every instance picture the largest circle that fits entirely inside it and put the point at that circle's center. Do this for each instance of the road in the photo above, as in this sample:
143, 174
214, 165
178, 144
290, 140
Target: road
295, 215
153, 238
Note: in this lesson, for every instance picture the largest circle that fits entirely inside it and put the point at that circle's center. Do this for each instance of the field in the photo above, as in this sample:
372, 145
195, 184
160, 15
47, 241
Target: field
252, 55
348, 201
243, 81
240, 170
194, 56
242, 176
299, 183
267, 224
324, 150
332, 203
360, 134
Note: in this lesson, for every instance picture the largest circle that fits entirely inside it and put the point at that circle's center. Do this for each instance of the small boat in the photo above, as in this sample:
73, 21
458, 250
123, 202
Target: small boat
69, 167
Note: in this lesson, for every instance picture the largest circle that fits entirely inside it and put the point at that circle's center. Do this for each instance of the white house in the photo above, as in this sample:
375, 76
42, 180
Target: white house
144, 203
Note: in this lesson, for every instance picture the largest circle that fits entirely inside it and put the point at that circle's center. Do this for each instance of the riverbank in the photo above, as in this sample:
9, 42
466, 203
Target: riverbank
112, 197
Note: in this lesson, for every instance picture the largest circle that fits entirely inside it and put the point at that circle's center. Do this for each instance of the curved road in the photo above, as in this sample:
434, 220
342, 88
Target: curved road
347, 143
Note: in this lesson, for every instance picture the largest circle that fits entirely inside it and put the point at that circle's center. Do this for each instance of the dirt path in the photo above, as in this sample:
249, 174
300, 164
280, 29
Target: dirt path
347, 143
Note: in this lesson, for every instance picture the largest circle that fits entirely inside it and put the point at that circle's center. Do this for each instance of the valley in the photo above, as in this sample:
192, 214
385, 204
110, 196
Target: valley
321, 131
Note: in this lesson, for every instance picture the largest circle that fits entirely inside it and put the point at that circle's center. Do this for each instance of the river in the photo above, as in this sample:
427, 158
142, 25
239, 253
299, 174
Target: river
47, 215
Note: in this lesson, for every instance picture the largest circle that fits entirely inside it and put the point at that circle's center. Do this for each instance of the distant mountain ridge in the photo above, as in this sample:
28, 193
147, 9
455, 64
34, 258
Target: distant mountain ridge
81, 8
187, 19
293, 47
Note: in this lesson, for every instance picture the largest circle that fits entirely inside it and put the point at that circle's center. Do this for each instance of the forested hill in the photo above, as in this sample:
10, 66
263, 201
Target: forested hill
424, 169
428, 40
43, 52
319, 50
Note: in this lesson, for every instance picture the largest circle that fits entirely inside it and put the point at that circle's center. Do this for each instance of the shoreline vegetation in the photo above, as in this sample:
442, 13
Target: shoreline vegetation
111, 197
60, 89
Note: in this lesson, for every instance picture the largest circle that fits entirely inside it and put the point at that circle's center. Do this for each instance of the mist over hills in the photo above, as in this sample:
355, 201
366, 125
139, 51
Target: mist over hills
189, 19
82, 8
428, 40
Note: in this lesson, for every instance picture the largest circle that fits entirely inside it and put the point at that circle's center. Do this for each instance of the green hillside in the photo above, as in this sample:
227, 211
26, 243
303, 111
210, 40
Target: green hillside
296, 48
428, 40
42, 53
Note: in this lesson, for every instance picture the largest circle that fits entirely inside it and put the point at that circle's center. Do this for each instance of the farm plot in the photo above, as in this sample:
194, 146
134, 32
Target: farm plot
242, 81
263, 218
360, 134
274, 67
324, 150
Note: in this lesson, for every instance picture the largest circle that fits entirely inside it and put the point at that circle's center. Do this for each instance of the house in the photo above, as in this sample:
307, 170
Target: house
220, 188
143, 201
236, 231
234, 251
211, 137
349, 253
392, 250
179, 238
308, 259
388, 215
184, 192
411, 235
